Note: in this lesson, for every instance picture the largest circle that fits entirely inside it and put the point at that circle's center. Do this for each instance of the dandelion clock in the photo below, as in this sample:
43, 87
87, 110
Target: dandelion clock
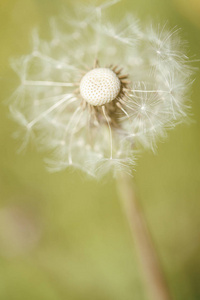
93, 97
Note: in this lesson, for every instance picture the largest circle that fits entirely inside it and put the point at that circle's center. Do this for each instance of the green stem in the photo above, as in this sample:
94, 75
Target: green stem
156, 285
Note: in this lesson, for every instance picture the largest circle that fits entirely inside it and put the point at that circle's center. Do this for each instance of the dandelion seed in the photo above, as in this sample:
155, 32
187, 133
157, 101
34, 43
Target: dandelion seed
92, 95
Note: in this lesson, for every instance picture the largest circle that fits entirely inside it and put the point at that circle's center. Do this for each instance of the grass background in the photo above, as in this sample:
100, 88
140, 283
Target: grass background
63, 237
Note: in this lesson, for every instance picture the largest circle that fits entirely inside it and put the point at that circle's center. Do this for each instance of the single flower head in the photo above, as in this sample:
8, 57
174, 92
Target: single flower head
98, 91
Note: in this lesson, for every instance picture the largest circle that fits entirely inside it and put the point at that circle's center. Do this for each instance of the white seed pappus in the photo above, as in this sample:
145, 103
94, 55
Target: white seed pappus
96, 92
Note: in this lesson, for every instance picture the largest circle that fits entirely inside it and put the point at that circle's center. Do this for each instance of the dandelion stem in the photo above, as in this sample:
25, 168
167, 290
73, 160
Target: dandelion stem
156, 284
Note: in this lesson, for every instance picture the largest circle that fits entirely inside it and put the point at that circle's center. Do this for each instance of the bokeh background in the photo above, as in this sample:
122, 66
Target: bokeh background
64, 237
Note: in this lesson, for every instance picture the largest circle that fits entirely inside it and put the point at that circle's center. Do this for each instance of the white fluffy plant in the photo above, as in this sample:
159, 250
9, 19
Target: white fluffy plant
94, 94
96, 91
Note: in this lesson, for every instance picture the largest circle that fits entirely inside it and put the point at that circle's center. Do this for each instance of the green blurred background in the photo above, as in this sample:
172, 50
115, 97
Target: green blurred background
64, 237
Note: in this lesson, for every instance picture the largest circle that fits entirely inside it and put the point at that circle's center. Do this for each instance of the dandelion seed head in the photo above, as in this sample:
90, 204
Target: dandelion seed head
96, 96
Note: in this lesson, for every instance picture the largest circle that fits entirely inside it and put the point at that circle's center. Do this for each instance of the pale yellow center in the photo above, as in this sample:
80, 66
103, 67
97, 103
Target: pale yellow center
100, 86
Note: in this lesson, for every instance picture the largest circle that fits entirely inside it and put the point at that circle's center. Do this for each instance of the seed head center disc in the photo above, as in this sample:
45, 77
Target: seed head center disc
100, 86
